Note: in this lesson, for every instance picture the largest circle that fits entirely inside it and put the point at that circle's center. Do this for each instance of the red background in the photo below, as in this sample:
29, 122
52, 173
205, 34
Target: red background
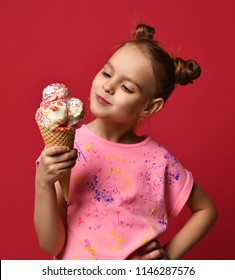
68, 41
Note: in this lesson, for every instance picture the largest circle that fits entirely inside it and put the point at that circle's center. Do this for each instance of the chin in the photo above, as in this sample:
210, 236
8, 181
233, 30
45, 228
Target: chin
97, 111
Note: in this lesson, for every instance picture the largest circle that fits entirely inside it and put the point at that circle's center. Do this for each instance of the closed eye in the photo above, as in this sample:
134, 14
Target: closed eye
106, 75
126, 89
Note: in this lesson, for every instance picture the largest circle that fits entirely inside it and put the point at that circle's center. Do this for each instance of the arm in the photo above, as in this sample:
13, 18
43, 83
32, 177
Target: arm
202, 219
50, 206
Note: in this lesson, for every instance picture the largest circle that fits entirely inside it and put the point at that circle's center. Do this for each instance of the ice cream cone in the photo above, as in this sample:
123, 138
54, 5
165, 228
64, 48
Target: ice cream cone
57, 118
59, 138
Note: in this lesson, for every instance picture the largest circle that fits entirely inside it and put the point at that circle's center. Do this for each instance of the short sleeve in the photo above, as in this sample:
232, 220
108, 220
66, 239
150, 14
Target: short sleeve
178, 185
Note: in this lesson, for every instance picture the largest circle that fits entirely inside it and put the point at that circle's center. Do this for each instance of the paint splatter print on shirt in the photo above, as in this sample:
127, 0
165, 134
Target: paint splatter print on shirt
121, 196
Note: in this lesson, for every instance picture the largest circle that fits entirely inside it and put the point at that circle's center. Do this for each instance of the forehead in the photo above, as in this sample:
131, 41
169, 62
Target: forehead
133, 63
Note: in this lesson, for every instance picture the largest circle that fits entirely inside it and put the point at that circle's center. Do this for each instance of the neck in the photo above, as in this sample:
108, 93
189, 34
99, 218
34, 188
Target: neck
113, 132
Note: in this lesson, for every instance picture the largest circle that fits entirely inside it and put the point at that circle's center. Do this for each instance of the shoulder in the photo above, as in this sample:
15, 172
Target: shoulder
158, 148
82, 133
81, 129
162, 155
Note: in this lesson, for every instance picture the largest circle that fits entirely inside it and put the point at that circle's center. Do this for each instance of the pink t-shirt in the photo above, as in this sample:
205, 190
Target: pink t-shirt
121, 196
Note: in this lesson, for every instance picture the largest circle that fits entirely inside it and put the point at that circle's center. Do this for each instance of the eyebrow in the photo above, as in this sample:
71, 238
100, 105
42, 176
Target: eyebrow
126, 78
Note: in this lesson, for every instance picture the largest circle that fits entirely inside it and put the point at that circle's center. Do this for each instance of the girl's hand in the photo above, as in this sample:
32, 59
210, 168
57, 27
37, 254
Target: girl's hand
55, 162
150, 251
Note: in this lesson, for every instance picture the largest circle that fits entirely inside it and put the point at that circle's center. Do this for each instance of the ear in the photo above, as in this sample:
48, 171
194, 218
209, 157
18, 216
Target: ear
153, 106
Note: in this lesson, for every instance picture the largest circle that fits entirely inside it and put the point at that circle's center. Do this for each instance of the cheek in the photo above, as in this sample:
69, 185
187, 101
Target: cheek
130, 105
94, 87
95, 81
93, 84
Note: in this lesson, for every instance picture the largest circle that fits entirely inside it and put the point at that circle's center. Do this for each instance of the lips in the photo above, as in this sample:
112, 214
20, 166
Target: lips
102, 100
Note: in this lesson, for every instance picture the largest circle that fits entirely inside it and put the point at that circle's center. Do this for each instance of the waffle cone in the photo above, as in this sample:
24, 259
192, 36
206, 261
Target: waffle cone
59, 138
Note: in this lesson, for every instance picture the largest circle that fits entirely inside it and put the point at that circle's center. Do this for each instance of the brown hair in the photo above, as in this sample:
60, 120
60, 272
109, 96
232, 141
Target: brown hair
168, 70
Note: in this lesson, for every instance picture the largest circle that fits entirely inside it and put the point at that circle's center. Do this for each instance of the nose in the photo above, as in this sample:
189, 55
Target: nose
108, 87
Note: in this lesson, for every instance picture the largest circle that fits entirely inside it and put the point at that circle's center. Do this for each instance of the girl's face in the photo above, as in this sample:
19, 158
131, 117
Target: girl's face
121, 91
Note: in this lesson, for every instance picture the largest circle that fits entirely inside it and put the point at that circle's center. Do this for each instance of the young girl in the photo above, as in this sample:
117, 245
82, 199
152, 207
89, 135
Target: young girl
123, 186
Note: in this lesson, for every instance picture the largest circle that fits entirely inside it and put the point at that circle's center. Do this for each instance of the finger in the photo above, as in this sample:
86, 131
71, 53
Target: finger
66, 165
63, 157
150, 246
59, 169
68, 156
55, 150
154, 255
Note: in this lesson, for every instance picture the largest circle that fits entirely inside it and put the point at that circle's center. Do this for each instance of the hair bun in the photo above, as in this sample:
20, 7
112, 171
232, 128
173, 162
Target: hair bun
186, 71
143, 32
